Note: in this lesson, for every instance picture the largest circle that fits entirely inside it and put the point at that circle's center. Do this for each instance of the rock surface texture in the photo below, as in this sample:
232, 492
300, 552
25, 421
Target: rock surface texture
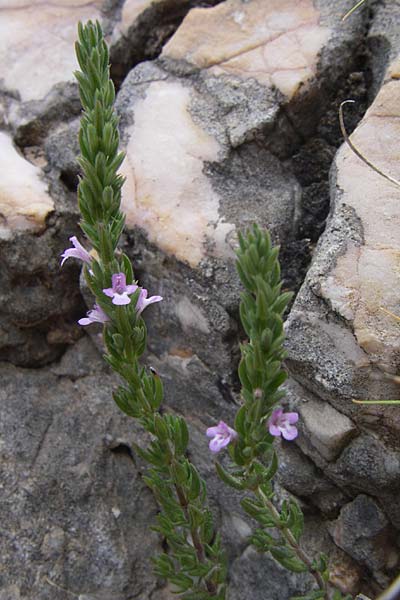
228, 115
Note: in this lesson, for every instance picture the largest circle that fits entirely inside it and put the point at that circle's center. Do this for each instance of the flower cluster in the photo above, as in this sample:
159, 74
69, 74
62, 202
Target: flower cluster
279, 423
119, 291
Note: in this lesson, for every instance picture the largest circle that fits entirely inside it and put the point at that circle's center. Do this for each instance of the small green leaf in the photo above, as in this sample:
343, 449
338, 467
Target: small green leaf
229, 479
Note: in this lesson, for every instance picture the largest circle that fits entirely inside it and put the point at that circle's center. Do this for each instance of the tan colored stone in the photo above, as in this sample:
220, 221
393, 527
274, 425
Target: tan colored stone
276, 42
37, 43
366, 279
166, 192
24, 199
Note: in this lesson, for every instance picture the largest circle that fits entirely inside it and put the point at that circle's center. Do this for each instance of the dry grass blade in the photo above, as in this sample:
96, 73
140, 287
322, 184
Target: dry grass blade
357, 151
353, 9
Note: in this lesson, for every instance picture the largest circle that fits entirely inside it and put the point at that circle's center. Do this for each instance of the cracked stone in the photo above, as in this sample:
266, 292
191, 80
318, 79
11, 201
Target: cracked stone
341, 339
278, 44
369, 465
162, 206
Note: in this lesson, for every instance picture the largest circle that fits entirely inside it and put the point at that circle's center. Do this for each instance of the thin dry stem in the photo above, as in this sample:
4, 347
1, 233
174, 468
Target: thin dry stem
357, 152
350, 12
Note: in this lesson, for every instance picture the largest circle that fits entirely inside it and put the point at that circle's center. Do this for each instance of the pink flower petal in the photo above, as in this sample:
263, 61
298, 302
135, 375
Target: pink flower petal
131, 289
274, 430
109, 292
121, 299
218, 443
212, 431
290, 433
85, 321
292, 417
276, 415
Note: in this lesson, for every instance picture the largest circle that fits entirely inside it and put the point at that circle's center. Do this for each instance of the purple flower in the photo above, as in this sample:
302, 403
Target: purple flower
281, 423
78, 251
221, 435
97, 315
119, 290
143, 301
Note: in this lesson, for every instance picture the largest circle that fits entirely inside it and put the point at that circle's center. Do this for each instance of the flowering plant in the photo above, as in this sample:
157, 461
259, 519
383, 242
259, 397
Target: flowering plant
194, 562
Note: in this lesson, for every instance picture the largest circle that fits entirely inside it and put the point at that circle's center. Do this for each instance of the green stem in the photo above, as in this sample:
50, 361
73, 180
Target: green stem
289, 537
201, 555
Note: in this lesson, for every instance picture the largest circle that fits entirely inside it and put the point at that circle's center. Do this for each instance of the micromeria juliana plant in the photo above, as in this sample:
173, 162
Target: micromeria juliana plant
259, 420
195, 562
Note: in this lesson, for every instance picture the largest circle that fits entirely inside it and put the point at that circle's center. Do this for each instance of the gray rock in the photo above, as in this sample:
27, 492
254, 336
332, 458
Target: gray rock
40, 303
383, 41
298, 474
249, 580
362, 531
31, 121
328, 430
369, 465
76, 514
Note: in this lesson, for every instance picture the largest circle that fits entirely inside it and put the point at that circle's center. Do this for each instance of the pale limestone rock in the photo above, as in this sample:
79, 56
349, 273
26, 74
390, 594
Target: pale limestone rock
277, 42
366, 277
37, 43
166, 192
24, 199
328, 430
341, 339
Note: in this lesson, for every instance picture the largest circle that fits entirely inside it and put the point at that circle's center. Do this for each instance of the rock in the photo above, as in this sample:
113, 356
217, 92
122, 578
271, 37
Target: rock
81, 360
24, 199
328, 430
249, 580
187, 217
340, 339
164, 208
12, 592
277, 45
384, 44
63, 487
283, 46
37, 51
362, 531
36, 67
368, 464
218, 135
341, 343
299, 475
141, 29
62, 151
40, 303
